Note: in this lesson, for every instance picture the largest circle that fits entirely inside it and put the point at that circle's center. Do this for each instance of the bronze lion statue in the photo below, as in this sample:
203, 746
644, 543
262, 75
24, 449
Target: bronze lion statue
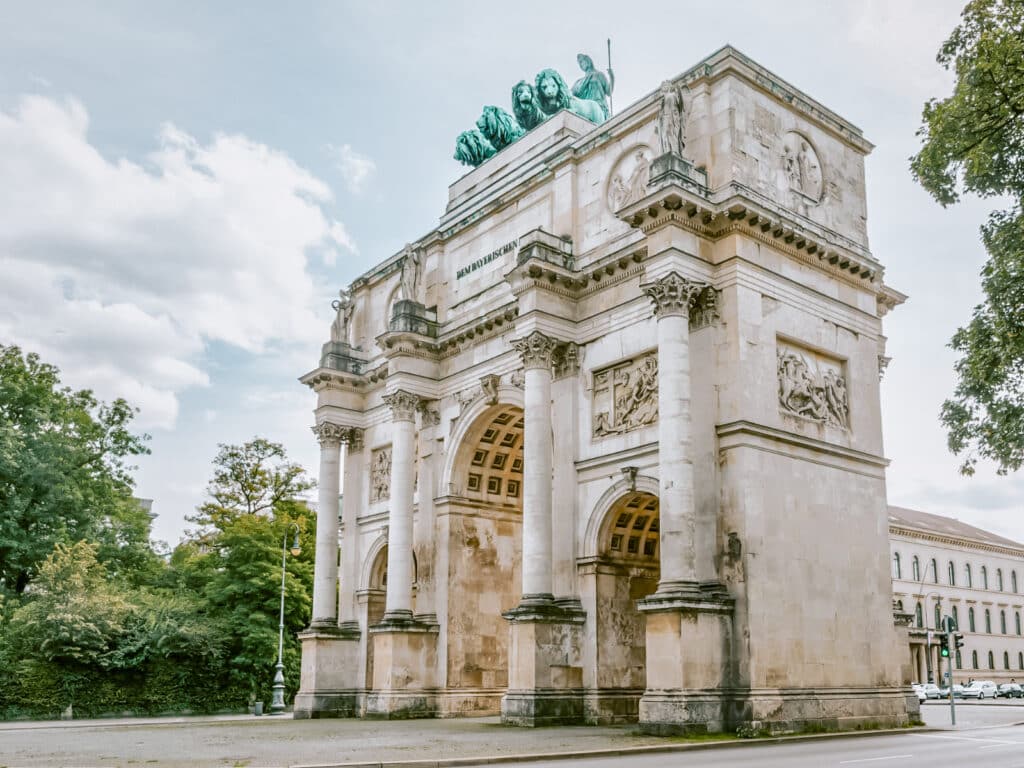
499, 127
472, 148
525, 106
553, 94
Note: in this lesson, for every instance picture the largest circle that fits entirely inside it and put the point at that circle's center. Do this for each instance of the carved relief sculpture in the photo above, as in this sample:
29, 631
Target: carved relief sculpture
380, 475
629, 177
800, 162
812, 386
671, 120
489, 386
536, 350
626, 396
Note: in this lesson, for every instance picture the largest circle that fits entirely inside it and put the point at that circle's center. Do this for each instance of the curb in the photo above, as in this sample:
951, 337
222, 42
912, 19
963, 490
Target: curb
650, 749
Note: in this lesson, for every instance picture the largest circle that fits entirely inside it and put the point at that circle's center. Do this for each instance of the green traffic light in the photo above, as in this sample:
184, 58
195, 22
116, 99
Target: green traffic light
945, 652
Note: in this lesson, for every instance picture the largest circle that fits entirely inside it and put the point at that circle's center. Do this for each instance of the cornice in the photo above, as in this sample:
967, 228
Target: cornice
773, 434
937, 538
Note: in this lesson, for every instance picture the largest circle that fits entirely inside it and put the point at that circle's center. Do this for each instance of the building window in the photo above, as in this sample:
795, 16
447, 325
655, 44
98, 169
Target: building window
959, 661
974, 659
919, 616
896, 571
952, 574
1006, 659
938, 615
984, 577
988, 621
1018, 622
1020, 660
970, 620
935, 570
991, 660
915, 568
1013, 580
967, 576
1002, 622
956, 618
999, 579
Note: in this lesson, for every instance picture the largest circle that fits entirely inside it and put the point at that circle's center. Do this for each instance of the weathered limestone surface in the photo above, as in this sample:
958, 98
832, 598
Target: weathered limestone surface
638, 462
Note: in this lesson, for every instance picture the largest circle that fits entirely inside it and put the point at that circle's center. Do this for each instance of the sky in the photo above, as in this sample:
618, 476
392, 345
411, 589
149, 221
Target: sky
185, 185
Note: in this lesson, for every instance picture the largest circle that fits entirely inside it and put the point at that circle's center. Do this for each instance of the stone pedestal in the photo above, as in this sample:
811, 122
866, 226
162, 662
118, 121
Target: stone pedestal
545, 685
330, 678
689, 639
404, 670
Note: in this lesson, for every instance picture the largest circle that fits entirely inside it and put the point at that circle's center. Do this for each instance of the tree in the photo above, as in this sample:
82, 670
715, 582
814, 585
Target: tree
973, 141
234, 558
64, 475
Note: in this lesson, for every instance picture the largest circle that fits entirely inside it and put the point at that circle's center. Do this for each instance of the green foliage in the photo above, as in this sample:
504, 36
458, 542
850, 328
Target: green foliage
63, 472
973, 141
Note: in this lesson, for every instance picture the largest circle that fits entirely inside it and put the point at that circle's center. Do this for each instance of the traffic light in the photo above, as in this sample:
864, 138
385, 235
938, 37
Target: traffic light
944, 645
958, 640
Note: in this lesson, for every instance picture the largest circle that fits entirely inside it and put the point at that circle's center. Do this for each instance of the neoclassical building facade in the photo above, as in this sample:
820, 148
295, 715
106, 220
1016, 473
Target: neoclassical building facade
610, 434
943, 567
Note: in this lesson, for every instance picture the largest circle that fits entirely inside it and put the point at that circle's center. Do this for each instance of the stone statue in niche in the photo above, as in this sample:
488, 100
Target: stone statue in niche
800, 163
671, 120
343, 307
626, 396
380, 475
812, 387
411, 267
629, 178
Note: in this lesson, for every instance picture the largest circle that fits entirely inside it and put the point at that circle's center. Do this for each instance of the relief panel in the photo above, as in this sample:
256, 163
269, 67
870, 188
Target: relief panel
380, 474
812, 386
626, 396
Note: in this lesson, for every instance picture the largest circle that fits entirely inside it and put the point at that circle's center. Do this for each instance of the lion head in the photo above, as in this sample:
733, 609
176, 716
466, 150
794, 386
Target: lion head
552, 92
472, 148
499, 127
525, 106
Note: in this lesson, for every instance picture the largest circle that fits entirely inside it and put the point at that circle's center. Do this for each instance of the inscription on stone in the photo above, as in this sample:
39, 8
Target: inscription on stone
812, 386
380, 474
497, 253
626, 396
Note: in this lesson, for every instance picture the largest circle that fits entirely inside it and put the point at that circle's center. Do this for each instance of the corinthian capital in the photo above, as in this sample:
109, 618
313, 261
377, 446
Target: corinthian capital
536, 349
329, 434
403, 405
674, 294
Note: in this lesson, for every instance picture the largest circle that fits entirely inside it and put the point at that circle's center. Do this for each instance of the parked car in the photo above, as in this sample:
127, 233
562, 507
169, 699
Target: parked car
931, 690
980, 689
1010, 691
919, 690
958, 691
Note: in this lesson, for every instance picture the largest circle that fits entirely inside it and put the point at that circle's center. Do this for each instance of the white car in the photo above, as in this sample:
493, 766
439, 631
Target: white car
980, 689
919, 690
931, 690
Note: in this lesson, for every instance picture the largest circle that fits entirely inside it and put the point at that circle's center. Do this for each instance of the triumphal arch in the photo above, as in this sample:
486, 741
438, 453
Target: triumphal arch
612, 437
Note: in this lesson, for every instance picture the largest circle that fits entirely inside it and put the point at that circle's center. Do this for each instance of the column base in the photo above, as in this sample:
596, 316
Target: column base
404, 669
766, 712
545, 668
689, 634
329, 684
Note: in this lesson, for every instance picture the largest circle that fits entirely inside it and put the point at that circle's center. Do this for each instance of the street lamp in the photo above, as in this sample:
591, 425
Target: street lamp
277, 697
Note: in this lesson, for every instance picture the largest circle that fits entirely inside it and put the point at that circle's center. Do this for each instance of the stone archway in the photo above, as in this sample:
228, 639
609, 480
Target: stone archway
626, 569
479, 529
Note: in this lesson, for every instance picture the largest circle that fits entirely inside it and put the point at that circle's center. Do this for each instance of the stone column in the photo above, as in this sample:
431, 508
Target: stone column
355, 469
398, 607
537, 351
673, 297
325, 568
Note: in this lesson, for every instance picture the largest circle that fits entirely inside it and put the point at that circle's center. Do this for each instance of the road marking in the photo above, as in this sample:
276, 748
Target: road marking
874, 759
962, 738
1004, 744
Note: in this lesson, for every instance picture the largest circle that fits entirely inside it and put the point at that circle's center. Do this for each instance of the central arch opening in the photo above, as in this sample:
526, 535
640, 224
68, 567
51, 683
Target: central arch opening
481, 530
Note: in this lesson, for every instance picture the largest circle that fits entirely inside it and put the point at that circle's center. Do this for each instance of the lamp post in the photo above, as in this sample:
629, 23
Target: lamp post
277, 697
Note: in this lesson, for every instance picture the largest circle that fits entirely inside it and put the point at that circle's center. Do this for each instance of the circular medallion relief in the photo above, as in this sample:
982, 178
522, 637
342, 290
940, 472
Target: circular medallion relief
627, 182
801, 165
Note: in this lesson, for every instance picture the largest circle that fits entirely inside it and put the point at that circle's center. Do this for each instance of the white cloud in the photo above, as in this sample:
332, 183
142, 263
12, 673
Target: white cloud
122, 273
355, 168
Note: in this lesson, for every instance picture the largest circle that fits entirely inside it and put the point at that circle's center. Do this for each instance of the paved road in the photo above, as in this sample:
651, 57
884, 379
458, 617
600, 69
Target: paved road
984, 733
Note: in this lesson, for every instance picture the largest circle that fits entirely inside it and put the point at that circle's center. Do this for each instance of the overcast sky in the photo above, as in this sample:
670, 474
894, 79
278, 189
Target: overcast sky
185, 185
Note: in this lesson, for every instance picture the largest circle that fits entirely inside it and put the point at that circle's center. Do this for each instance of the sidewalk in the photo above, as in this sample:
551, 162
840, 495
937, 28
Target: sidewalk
258, 742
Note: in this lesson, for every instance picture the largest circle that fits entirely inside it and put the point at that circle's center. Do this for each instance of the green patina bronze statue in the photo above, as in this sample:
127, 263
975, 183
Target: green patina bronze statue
499, 127
532, 104
472, 148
